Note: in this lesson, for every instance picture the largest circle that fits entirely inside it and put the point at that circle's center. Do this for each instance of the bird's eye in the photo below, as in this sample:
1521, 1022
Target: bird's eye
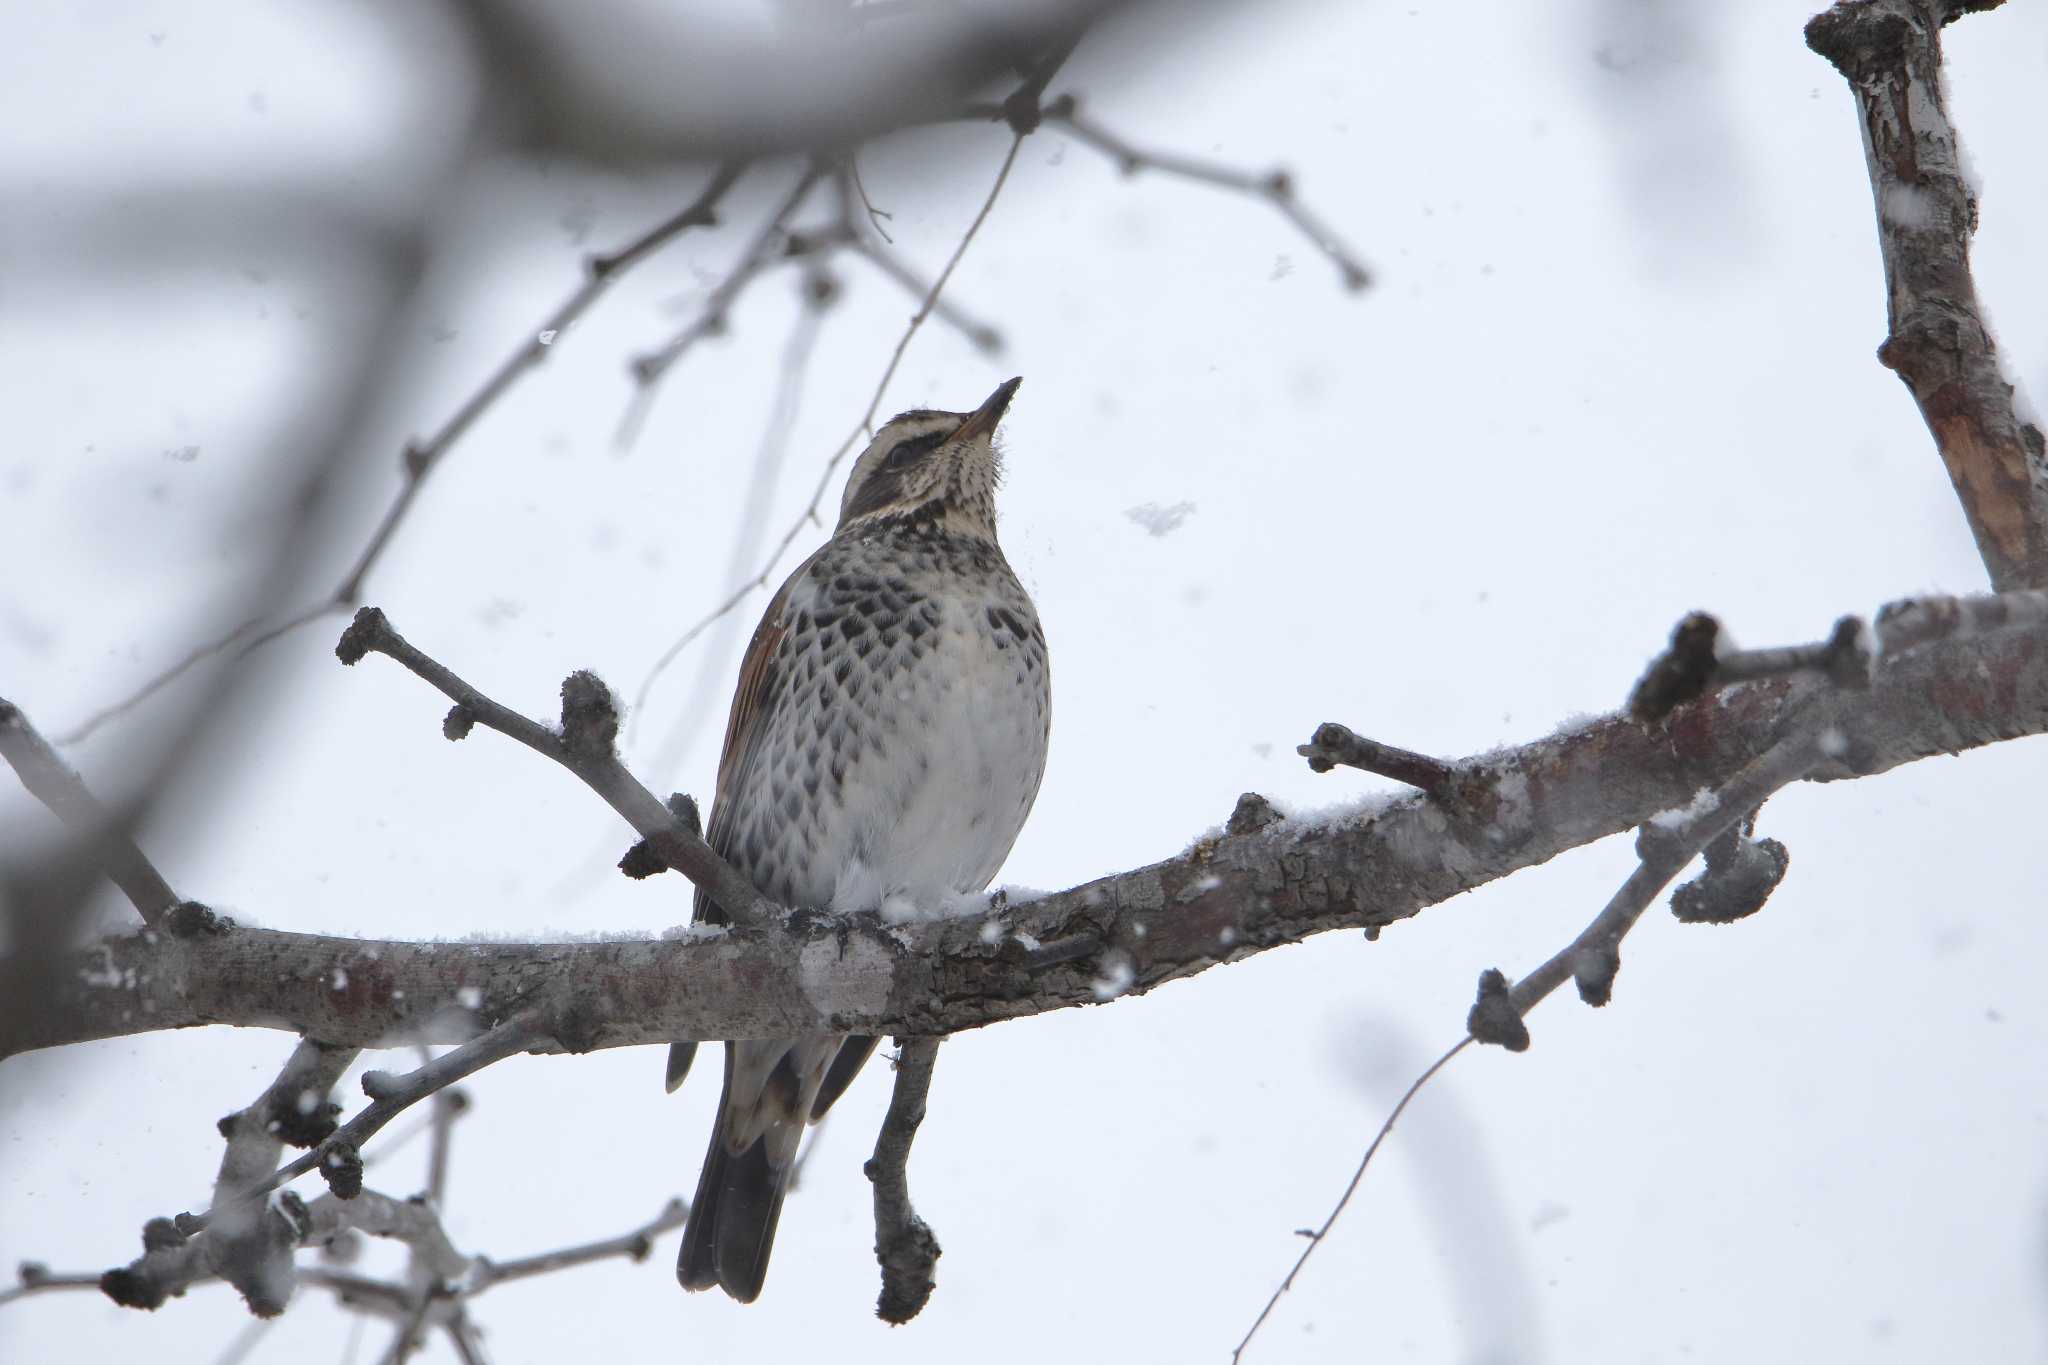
908, 452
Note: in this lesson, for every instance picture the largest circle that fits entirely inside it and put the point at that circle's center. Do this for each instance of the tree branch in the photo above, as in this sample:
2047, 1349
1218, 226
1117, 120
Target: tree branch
50, 780
1274, 187
1890, 53
1229, 896
904, 1244
585, 746
633, 1246
246, 1247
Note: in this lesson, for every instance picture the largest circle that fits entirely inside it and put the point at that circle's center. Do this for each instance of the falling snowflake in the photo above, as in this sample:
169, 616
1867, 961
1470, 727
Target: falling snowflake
1158, 520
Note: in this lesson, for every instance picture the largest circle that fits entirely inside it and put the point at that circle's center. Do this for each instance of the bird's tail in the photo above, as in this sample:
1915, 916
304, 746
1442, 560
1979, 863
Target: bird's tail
731, 1228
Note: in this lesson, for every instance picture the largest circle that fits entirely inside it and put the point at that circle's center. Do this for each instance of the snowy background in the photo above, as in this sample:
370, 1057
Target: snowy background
1617, 365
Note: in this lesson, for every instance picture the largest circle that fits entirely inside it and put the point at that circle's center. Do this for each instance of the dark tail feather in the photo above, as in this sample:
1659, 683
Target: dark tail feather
680, 1055
846, 1064
732, 1223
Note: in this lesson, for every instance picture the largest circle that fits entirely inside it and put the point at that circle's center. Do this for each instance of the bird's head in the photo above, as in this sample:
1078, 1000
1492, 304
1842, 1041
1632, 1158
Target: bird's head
923, 464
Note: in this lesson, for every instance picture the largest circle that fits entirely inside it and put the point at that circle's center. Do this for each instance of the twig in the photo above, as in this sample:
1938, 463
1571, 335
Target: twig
185, 1252
391, 1095
1697, 662
181, 1263
51, 781
632, 1246
35, 1279
984, 337
649, 368
1275, 187
449, 1105
1334, 744
904, 1244
409, 1331
585, 746
464, 1337
246, 1340
1315, 1238
257, 635
850, 230
1665, 846
875, 215
250, 1244
359, 1291
421, 458
1890, 53
1593, 958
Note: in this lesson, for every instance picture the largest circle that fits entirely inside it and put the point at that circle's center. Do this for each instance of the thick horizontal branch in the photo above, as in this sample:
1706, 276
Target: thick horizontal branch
1227, 897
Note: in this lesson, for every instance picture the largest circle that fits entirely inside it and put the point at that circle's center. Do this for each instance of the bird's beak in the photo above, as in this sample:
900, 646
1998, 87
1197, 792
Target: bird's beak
984, 418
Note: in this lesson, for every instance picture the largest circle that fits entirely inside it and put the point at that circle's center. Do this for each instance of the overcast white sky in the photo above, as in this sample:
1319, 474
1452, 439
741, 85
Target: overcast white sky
1618, 365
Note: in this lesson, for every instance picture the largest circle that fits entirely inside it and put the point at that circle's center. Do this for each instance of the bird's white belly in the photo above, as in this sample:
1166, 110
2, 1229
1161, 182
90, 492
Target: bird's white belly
941, 798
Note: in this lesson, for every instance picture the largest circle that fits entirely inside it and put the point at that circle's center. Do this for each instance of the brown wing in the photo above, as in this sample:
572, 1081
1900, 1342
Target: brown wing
752, 701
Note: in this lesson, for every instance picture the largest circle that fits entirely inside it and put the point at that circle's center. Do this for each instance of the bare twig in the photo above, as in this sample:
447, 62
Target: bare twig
632, 1246
874, 215
391, 1095
421, 458
186, 1252
250, 1245
50, 780
464, 1337
584, 746
1334, 744
411, 1329
984, 337
178, 1263
1699, 660
904, 1244
247, 1340
1890, 53
1666, 844
32, 1278
766, 249
1315, 1238
247, 637
1663, 850
449, 1105
1275, 187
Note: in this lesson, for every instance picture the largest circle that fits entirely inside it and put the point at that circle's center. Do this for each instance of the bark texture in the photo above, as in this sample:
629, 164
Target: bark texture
1890, 53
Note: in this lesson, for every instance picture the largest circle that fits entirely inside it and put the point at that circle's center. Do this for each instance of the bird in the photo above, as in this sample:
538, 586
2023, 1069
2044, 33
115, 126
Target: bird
885, 744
